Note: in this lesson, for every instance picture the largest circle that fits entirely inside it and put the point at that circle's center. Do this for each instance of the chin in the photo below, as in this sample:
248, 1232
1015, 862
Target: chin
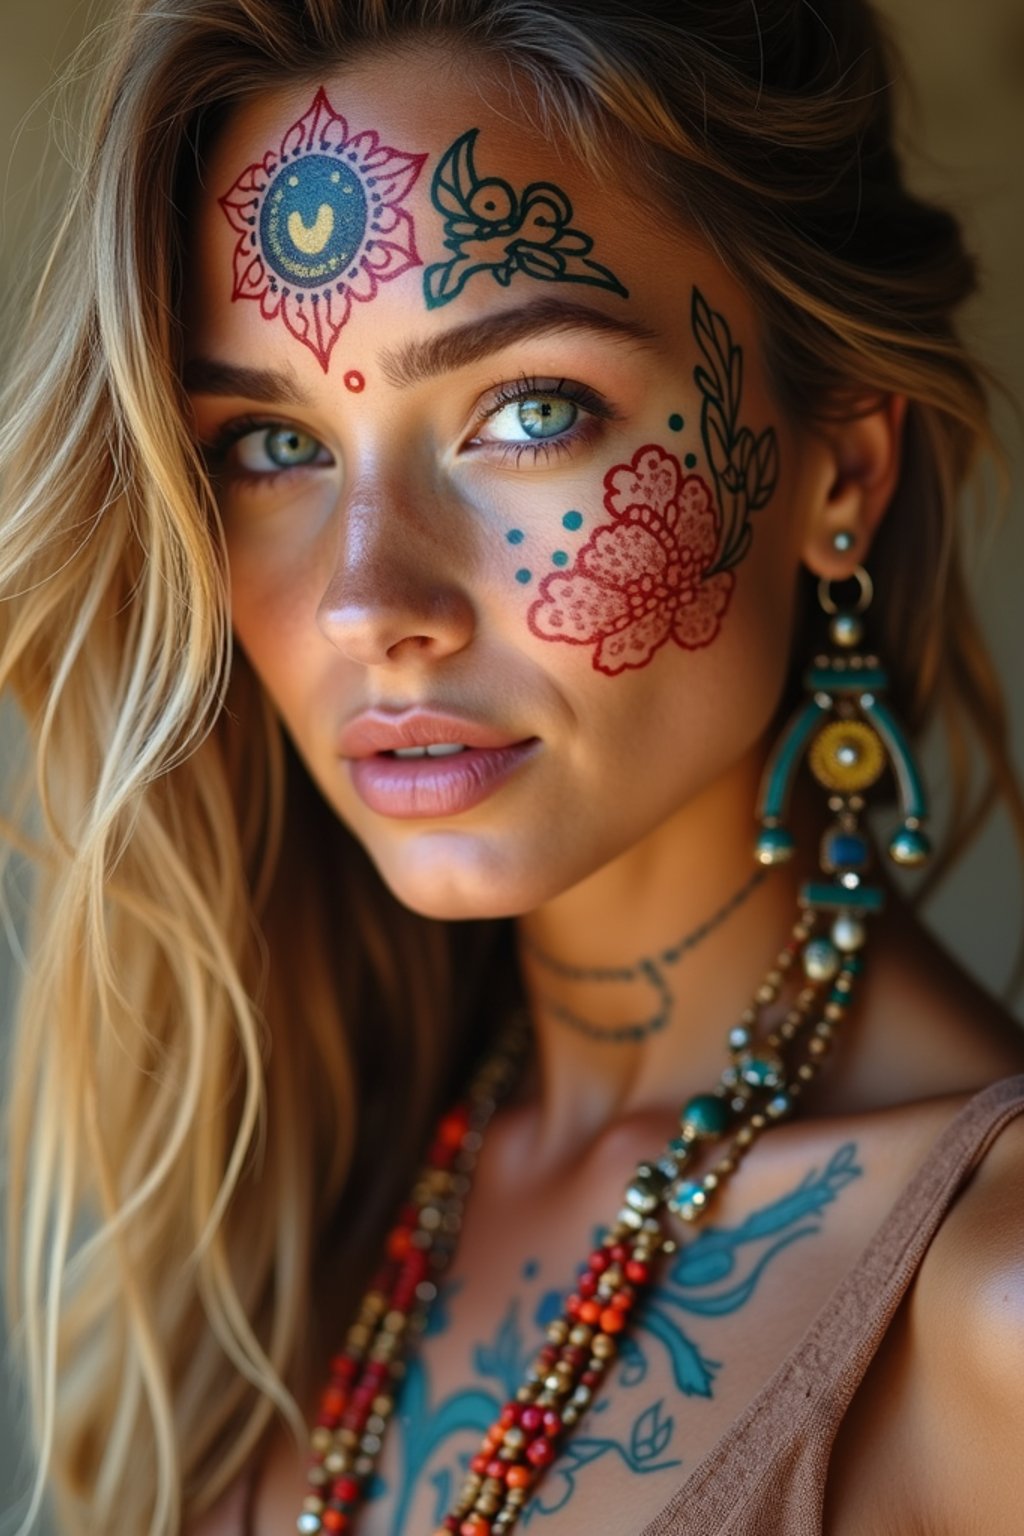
451, 877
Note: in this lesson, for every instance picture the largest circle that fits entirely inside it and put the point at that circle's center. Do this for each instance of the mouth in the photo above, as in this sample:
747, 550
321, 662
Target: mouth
423, 764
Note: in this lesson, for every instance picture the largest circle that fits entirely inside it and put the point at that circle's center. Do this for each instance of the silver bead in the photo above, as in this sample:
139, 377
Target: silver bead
821, 960
848, 933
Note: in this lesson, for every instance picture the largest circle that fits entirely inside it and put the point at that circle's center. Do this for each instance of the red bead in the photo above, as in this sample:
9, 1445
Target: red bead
588, 1284
346, 1488
549, 1354
334, 1520
451, 1523
619, 1253
590, 1311
333, 1401
552, 1423
531, 1420
540, 1453
475, 1525
622, 1300
572, 1307
510, 1415
479, 1464
497, 1468
453, 1127
599, 1260
638, 1272
574, 1354
591, 1378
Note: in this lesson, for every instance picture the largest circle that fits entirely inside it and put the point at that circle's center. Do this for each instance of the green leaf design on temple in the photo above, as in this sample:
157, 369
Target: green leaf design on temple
744, 465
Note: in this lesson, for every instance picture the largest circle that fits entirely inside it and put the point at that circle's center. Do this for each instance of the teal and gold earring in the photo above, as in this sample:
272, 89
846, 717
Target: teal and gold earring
849, 736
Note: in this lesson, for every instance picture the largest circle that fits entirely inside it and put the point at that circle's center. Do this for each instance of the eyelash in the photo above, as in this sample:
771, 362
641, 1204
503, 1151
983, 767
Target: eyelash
597, 409
217, 448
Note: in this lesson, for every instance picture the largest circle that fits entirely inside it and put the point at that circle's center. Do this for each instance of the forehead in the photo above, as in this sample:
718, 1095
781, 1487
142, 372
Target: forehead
433, 188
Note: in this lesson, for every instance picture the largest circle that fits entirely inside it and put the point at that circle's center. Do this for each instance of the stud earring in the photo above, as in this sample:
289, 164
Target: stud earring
849, 736
843, 541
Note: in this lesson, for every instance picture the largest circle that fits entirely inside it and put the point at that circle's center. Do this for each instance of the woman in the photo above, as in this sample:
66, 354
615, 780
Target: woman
450, 441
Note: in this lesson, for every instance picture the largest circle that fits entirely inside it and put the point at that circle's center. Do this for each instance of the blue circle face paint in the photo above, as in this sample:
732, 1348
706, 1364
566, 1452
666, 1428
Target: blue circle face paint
523, 576
560, 557
313, 220
572, 521
515, 536
675, 422
690, 461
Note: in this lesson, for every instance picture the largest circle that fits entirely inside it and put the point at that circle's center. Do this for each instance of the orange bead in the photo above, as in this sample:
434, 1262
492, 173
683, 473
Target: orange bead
590, 1312
612, 1321
333, 1520
518, 1477
398, 1243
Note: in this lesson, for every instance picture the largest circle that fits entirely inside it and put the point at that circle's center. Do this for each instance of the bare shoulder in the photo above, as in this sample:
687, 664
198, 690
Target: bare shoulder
971, 1286
967, 1331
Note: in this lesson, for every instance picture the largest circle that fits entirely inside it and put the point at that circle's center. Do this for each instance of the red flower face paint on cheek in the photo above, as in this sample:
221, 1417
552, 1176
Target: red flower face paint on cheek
320, 224
354, 381
641, 579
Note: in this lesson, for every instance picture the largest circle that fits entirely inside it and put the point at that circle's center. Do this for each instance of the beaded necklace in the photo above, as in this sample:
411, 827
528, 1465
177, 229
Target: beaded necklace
766, 1072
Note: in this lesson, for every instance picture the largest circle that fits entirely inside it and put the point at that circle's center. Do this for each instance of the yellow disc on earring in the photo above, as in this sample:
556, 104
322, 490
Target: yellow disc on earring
847, 755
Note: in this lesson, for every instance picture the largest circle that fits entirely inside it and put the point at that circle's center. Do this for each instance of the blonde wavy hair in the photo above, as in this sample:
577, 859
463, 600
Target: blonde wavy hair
229, 1037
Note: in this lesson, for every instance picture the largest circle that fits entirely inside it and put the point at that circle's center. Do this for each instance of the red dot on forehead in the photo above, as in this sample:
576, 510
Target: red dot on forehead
354, 381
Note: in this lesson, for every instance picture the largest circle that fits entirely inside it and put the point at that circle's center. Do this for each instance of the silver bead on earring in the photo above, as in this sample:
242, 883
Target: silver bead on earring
843, 541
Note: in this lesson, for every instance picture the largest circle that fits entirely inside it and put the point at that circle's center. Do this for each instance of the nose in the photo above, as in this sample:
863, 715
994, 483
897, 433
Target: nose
394, 590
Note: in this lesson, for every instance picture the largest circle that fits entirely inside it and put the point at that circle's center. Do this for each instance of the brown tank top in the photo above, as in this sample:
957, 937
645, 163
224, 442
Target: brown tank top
766, 1476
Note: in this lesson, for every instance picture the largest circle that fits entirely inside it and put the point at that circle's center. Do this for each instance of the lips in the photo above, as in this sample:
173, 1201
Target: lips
433, 784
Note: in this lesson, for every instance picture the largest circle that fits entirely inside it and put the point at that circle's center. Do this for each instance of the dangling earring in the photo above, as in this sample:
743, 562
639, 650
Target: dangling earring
849, 735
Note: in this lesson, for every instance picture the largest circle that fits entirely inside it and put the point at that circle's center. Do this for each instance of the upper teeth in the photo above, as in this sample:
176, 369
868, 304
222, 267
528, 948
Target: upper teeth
438, 749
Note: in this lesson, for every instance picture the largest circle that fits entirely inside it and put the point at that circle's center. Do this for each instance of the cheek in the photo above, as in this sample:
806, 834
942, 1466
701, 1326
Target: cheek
641, 573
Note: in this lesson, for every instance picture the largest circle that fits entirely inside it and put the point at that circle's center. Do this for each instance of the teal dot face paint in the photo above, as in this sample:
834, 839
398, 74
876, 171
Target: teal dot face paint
515, 536
524, 576
690, 461
675, 422
572, 521
560, 557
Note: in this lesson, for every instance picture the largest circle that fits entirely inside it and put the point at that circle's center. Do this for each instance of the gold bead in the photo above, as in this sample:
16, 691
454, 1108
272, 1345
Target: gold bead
805, 1072
312, 1505
603, 1346
818, 1047
581, 1335
321, 1439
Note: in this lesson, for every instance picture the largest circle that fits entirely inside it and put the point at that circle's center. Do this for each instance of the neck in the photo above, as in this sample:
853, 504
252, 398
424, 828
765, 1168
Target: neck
634, 977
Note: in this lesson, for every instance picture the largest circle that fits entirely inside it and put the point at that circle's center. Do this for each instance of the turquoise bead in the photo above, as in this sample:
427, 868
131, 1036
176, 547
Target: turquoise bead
774, 845
687, 1199
763, 1070
910, 847
705, 1115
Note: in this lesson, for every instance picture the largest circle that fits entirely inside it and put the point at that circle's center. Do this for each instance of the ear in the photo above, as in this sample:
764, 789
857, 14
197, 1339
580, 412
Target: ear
860, 467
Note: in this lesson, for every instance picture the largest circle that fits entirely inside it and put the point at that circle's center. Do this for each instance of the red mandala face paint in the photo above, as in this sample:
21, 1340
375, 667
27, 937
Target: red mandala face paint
639, 581
354, 381
320, 224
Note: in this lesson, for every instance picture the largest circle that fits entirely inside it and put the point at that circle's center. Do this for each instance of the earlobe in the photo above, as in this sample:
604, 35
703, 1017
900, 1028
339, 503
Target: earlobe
863, 458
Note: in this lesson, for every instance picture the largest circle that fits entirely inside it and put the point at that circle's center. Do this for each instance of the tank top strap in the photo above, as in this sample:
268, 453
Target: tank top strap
766, 1476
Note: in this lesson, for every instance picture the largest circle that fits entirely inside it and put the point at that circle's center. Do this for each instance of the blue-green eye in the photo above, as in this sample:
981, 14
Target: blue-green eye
536, 418
272, 448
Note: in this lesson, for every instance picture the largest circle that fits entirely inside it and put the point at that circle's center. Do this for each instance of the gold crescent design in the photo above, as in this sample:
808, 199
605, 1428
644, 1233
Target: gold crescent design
310, 239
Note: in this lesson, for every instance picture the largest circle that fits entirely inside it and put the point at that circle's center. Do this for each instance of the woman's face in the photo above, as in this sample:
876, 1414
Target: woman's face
498, 471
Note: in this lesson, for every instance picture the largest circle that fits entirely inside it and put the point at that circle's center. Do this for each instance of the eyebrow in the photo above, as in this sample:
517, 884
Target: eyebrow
420, 360
206, 376
468, 343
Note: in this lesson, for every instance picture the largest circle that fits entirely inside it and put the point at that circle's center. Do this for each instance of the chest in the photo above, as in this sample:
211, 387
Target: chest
729, 1306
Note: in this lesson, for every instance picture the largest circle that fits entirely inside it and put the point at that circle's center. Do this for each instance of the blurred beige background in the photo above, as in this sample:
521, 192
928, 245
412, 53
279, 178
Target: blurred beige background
963, 127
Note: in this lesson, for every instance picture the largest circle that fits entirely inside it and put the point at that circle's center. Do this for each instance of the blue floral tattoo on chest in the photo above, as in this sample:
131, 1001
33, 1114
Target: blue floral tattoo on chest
491, 228
713, 1276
